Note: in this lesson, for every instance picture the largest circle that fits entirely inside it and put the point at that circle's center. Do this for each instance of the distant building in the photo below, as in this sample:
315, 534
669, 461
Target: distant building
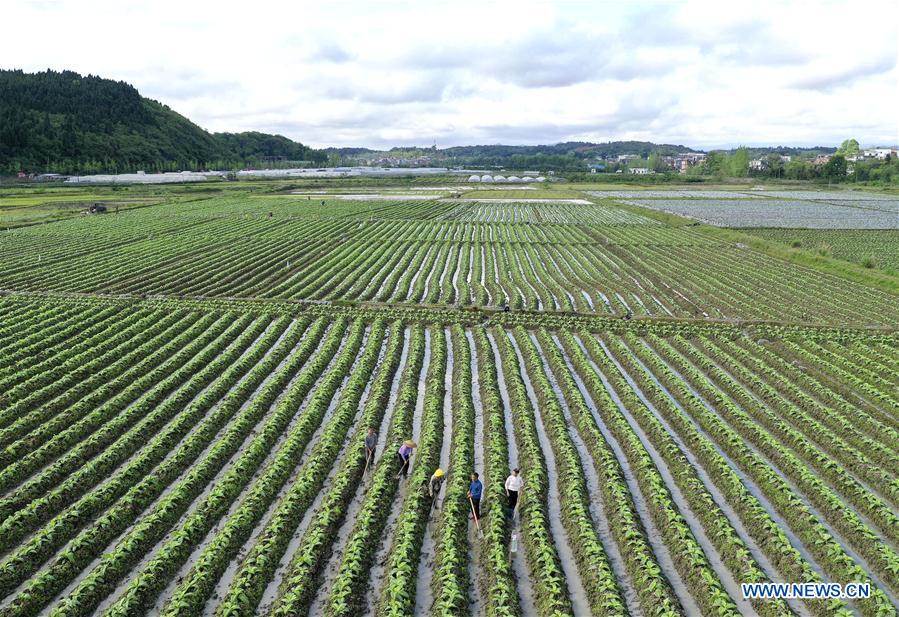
879, 153
641, 171
758, 164
624, 158
683, 162
821, 159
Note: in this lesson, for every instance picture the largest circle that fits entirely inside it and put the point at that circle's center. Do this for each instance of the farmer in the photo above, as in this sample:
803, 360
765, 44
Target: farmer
513, 489
435, 485
371, 440
475, 490
405, 453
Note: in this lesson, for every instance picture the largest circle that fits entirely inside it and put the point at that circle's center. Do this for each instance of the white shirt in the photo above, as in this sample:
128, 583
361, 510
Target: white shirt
514, 483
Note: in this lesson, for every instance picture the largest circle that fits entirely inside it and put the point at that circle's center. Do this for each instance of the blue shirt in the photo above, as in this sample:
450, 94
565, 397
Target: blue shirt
475, 488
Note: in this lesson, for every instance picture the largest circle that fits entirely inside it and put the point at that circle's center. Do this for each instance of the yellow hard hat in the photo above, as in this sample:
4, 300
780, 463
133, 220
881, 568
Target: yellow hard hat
439, 473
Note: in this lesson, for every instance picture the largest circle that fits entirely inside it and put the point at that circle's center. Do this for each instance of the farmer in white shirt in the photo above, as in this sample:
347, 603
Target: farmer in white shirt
513, 489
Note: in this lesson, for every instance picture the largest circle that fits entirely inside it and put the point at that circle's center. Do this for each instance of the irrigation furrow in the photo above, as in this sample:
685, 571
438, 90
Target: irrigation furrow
659, 548
522, 576
376, 575
577, 591
424, 596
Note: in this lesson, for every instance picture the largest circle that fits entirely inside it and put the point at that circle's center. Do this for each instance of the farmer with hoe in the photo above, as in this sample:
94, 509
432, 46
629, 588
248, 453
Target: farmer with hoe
405, 453
435, 485
475, 490
371, 440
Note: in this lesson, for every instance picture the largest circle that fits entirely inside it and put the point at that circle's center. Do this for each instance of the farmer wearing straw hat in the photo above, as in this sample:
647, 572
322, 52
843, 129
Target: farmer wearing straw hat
405, 453
435, 485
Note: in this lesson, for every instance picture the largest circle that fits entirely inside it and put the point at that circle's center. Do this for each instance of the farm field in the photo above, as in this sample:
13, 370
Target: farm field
807, 213
594, 258
186, 390
871, 247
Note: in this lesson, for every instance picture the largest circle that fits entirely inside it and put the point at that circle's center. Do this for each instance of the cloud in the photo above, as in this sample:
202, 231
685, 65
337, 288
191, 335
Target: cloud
698, 72
826, 79
331, 51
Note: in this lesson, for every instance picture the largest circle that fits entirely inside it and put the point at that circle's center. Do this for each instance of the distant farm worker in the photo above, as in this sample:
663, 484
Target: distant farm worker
475, 490
405, 453
371, 440
435, 485
513, 489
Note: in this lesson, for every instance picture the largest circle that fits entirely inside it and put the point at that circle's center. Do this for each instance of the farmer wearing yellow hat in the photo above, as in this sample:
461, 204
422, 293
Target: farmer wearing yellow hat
405, 453
435, 484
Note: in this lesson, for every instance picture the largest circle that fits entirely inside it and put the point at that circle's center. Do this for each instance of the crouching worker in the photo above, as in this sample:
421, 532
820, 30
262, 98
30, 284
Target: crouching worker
434, 487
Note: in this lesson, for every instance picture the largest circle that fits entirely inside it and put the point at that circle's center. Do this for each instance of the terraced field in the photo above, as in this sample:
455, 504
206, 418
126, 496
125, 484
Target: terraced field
186, 391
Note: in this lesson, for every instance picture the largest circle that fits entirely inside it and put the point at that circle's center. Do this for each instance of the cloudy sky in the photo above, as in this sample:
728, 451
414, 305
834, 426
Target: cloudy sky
376, 74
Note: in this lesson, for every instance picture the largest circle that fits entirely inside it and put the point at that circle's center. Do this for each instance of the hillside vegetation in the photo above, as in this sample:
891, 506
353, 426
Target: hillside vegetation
65, 122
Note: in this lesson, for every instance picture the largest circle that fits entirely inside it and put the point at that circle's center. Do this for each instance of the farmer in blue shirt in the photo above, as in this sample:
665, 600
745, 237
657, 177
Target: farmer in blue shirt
475, 490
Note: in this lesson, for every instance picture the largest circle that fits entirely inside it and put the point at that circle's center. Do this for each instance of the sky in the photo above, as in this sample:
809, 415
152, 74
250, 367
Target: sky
378, 74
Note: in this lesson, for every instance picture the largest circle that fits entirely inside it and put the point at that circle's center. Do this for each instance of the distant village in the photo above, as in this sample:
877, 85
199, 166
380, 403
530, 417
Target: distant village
681, 163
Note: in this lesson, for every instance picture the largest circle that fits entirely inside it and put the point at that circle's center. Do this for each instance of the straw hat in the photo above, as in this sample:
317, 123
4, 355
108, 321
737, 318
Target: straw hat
410, 443
439, 473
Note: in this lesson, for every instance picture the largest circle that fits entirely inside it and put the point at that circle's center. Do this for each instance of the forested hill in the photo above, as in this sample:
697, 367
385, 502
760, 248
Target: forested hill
64, 122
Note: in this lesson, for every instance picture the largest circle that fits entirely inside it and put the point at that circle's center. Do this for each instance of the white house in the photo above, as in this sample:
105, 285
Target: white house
878, 153
641, 171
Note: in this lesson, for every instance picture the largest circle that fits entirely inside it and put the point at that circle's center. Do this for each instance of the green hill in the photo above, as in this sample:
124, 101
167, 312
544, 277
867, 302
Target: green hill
64, 122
